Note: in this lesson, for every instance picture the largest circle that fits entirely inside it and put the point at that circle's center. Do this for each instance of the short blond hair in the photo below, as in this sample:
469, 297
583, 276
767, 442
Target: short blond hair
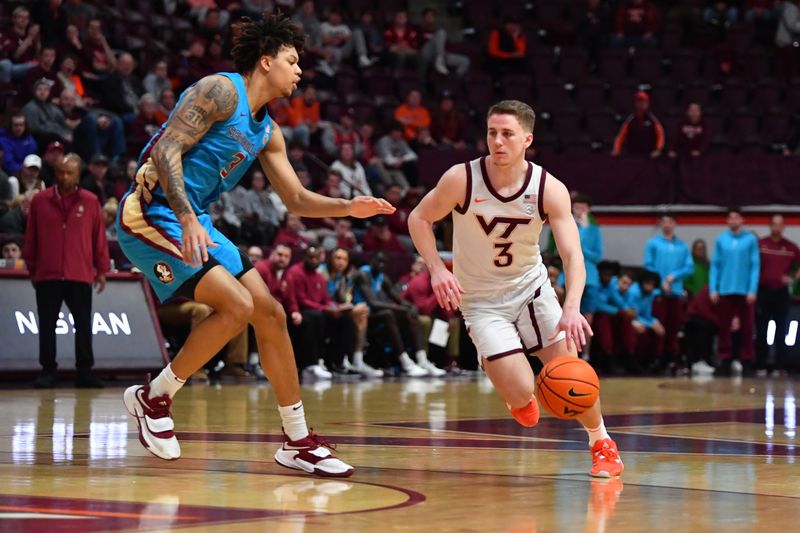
524, 113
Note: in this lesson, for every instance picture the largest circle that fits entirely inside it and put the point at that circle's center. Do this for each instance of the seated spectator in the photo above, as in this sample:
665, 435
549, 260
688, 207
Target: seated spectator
368, 40
448, 124
333, 184
193, 64
398, 221
786, 37
5, 188
45, 69
93, 131
594, 26
279, 110
763, 16
343, 236
166, 103
79, 13
304, 116
337, 134
353, 176
635, 24
641, 133
110, 209
98, 60
337, 39
647, 342
694, 134
263, 211
67, 79
293, 234
122, 89
338, 272
412, 115
47, 122
507, 49
17, 142
418, 291
323, 319
368, 157
16, 219
699, 332
124, 174
157, 79
27, 178
52, 18
611, 321
19, 45
402, 40
255, 254
11, 255
273, 272
95, 179
388, 309
215, 58
380, 237
433, 48
146, 123
720, 13
73, 46
397, 157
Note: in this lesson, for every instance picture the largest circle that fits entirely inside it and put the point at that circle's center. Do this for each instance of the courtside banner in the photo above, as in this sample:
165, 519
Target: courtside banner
125, 332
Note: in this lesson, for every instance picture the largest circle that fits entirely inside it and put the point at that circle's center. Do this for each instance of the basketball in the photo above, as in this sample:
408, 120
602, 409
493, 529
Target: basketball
567, 386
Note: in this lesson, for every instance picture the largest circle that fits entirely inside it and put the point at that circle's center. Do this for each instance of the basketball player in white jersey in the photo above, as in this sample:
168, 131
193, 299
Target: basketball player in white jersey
499, 205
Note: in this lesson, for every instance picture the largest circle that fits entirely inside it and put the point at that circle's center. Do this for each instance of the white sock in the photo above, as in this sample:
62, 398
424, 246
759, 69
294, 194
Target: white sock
598, 433
358, 359
293, 418
166, 383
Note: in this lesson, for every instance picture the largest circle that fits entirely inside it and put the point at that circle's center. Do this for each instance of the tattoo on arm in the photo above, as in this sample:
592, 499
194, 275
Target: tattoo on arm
212, 99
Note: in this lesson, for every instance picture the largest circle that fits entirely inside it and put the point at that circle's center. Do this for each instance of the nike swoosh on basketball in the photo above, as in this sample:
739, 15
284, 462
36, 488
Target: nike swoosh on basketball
479, 200
574, 394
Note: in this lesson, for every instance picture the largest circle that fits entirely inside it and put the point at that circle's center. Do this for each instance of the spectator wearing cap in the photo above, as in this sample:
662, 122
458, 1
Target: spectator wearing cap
693, 136
46, 69
17, 142
412, 115
66, 218
448, 124
27, 178
354, 178
304, 115
95, 131
641, 133
336, 134
397, 156
52, 156
122, 89
94, 179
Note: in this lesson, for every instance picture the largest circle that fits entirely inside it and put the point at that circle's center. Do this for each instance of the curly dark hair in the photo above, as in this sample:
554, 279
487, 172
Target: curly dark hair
265, 37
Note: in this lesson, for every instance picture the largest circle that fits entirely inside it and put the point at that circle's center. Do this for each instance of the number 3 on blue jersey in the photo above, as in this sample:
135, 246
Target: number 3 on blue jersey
238, 157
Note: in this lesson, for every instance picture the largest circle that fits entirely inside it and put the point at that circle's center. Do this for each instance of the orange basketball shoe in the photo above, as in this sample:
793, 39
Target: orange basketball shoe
605, 459
528, 415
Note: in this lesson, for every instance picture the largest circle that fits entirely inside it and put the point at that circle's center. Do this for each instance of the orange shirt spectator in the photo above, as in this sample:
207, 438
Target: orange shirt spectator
508, 43
304, 109
413, 115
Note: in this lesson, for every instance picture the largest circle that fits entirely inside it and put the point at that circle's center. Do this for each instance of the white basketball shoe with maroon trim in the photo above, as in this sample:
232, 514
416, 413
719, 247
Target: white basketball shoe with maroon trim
154, 419
312, 454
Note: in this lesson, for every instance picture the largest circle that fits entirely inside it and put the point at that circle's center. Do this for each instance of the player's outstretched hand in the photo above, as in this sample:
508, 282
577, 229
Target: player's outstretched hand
367, 206
195, 243
574, 324
447, 289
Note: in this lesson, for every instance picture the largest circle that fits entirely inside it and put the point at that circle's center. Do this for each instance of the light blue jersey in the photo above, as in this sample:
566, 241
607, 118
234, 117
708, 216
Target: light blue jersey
148, 231
219, 160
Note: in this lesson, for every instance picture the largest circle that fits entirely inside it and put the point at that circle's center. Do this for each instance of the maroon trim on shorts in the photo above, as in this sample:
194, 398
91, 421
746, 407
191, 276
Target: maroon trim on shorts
504, 354
463, 210
505, 199
540, 200
535, 324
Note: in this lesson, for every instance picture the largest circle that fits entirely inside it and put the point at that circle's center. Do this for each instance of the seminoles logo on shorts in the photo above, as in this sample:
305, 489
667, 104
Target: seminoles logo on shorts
163, 272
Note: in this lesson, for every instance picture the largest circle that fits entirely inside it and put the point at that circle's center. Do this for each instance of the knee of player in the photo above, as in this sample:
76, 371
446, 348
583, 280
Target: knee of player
240, 308
270, 311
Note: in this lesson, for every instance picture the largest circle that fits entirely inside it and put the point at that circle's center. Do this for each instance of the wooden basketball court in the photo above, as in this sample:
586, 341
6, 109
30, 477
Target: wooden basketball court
430, 455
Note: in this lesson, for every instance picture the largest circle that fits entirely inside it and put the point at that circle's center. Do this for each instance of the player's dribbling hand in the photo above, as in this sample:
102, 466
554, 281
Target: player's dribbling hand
574, 324
195, 242
447, 289
367, 206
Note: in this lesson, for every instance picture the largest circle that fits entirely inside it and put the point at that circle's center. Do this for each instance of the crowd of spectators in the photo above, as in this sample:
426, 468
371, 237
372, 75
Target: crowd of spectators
380, 85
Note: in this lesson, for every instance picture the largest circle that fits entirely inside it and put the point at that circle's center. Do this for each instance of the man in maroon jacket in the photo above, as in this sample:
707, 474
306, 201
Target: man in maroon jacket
66, 252
273, 272
322, 317
780, 258
694, 134
641, 133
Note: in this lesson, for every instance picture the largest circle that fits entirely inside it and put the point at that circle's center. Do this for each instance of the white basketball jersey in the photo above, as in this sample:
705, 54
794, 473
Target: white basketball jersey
496, 238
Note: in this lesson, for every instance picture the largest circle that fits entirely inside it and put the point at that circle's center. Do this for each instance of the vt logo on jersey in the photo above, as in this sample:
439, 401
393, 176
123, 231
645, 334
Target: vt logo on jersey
503, 257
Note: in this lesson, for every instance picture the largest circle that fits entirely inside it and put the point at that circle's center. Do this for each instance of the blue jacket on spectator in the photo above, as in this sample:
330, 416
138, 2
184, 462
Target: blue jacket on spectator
592, 246
735, 265
641, 303
609, 299
15, 150
669, 258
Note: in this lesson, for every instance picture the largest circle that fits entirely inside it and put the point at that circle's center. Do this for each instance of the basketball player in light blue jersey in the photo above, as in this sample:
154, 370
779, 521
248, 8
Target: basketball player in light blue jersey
219, 127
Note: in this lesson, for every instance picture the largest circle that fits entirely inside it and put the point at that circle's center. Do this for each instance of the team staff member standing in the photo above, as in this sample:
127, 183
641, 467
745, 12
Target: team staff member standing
732, 286
66, 252
779, 256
